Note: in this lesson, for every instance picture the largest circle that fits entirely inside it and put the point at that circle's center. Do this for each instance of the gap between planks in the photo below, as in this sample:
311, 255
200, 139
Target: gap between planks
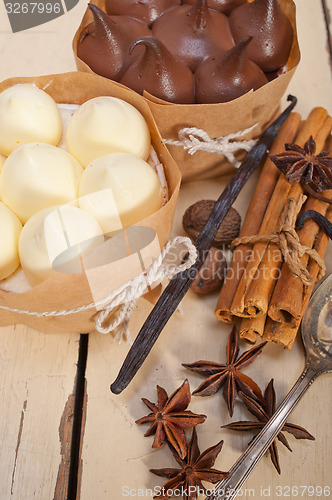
71, 431
75, 468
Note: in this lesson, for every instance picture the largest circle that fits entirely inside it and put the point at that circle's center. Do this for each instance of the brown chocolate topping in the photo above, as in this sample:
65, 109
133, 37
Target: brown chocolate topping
145, 10
224, 6
159, 73
226, 77
271, 30
104, 44
192, 33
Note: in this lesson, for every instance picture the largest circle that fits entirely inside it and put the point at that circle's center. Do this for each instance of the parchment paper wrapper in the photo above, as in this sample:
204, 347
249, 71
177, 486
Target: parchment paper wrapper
217, 120
68, 291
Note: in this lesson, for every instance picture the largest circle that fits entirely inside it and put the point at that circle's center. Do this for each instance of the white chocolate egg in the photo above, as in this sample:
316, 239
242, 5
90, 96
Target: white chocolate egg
56, 237
27, 114
106, 125
10, 229
37, 176
119, 189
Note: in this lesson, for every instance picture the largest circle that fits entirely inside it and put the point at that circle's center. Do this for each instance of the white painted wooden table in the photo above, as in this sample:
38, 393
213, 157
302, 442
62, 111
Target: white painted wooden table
38, 372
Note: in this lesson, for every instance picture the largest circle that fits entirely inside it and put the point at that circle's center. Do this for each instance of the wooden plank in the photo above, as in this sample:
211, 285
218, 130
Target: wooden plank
327, 10
37, 371
43, 50
313, 77
37, 376
33, 456
115, 456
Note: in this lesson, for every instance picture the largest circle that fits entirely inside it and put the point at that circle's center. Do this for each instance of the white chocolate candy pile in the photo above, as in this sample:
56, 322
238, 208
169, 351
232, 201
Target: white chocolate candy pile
65, 209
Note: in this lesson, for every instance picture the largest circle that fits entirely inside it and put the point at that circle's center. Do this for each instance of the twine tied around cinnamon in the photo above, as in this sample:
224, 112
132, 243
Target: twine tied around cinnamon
287, 240
195, 139
128, 294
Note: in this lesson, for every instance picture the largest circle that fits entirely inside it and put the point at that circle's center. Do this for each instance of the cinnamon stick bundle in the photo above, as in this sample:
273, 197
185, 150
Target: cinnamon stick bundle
266, 296
257, 283
285, 317
260, 200
285, 333
286, 302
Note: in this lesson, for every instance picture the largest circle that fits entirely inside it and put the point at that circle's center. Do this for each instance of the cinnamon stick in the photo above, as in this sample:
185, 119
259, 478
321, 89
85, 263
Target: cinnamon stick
256, 286
251, 329
268, 272
253, 219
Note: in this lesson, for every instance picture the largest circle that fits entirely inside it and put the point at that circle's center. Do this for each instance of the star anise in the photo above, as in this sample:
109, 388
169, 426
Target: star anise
263, 412
195, 468
228, 374
302, 165
169, 418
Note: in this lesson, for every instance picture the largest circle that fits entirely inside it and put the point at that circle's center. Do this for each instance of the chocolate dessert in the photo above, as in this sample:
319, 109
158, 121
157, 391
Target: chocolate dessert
158, 72
270, 28
224, 6
145, 10
193, 33
104, 44
163, 42
226, 77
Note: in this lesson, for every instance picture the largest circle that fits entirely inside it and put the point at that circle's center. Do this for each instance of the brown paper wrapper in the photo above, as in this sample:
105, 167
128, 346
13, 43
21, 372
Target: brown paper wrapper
69, 291
217, 120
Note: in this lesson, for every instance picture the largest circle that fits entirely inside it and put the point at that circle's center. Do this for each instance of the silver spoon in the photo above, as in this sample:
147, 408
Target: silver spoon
317, 339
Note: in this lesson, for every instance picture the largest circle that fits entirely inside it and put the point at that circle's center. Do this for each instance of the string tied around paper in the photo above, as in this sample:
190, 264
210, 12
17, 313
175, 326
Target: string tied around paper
127, 295
195, 139
287, 240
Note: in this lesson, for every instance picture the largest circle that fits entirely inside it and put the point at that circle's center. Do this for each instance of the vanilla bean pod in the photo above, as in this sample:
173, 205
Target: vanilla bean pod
322, 221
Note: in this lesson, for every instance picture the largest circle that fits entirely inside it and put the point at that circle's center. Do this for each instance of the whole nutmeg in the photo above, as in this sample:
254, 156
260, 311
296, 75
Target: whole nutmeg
212, 273
196, 216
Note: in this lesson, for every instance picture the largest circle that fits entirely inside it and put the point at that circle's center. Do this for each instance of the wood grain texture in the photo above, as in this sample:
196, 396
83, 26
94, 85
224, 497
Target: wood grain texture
37, 373
327, 7
313, 78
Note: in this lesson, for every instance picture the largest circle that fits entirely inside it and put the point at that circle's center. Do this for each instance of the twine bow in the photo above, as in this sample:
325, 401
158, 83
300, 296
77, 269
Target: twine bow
195, 139
128, 294
287, 240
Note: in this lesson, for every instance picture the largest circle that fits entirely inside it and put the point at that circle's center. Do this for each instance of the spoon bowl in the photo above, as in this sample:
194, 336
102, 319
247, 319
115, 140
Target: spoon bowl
316, 329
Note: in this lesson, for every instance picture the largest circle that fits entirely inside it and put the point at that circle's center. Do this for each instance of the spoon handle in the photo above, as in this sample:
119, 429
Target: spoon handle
229, 487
